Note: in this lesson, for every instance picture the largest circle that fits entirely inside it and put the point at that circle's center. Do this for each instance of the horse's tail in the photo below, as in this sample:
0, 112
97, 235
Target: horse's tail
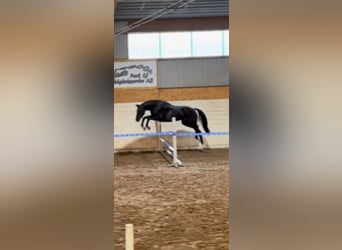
204, 120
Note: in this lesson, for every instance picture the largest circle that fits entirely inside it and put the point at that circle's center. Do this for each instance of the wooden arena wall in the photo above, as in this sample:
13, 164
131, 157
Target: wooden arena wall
122, 95
214, 101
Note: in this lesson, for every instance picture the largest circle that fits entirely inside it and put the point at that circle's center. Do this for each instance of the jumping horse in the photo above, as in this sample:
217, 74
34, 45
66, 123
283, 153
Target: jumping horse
163, 111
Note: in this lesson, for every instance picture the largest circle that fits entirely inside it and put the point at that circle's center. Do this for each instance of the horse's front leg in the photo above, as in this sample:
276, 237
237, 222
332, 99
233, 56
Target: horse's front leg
146, 124
148, 121
149, 118
143, 120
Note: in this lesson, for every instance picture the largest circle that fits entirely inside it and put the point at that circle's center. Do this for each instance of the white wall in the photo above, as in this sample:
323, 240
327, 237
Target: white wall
216, 110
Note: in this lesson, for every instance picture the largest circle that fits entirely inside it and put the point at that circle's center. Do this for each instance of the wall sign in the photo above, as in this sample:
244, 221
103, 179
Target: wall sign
135, 74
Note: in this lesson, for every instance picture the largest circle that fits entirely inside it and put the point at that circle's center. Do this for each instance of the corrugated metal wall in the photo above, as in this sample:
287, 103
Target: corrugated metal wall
121, 44
193, 72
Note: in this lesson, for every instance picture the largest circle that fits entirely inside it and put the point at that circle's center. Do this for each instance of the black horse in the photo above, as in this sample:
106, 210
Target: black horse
163, 112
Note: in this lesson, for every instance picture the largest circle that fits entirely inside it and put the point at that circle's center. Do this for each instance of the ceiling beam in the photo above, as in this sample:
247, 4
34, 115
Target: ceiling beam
183, 24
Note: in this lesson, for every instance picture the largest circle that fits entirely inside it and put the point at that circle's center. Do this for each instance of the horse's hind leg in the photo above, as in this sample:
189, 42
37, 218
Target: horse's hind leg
195, 127
200, 137
197, 130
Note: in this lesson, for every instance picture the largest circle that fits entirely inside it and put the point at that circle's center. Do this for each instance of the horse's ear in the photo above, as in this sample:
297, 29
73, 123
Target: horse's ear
138, 105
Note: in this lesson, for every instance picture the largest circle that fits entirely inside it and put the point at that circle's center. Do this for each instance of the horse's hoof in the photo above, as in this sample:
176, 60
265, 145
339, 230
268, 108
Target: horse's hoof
148, 128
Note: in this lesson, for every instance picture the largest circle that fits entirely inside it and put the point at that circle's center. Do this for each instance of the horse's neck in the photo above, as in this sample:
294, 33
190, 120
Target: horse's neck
148, 106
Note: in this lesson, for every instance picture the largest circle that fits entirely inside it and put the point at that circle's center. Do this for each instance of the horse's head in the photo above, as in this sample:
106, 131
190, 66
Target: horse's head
140, 112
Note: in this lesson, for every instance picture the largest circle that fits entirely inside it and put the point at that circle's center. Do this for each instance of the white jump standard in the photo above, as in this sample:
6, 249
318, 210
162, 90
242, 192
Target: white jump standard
167, 150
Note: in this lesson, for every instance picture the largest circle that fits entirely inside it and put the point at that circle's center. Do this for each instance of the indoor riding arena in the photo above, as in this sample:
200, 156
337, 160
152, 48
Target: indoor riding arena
183, 205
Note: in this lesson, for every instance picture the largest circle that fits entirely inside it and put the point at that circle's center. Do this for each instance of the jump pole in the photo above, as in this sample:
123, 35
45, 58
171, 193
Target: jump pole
129, 236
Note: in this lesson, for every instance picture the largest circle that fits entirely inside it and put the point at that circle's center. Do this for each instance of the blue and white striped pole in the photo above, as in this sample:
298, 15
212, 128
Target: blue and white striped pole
170, 133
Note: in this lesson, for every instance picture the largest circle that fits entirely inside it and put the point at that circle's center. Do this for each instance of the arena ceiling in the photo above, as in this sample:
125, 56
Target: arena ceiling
138, 9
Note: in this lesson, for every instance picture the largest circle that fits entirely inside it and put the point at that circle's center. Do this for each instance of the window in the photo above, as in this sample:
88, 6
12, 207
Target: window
225, 43
143, 45
207, 43
178, 44
175, 44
